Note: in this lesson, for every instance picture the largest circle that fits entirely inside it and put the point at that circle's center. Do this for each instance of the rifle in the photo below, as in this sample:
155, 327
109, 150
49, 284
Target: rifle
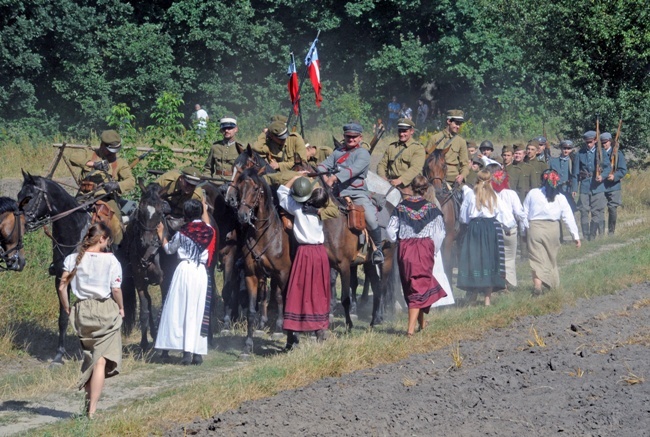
599, 152
547, 147
616, 138
376, 138
137, 160
203, 178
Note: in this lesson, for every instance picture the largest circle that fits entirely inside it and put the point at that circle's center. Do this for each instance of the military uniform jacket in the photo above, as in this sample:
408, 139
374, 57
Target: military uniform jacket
585, 160
472, 178
172, 193
119, 170
221, 159
619, 172
402, 160
322, 153
538, 167
456, 157
282, 154
564, 167
350, 166
523, 172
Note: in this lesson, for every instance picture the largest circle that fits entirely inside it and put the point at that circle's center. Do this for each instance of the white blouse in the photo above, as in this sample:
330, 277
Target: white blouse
511, 201
435, 230
307, 228
537, 207
469, 211
97, 273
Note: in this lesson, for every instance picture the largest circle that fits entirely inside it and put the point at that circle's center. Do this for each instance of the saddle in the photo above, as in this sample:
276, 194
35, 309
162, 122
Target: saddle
101, 212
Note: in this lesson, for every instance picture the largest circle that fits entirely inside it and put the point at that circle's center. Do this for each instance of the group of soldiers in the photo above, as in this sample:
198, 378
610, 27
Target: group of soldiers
594, 182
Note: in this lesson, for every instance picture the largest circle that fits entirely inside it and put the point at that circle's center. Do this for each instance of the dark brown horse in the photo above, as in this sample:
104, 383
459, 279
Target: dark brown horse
265, 246
435, 170
12, 229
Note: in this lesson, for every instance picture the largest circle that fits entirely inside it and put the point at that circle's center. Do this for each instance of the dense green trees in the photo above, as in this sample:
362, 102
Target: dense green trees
509, 64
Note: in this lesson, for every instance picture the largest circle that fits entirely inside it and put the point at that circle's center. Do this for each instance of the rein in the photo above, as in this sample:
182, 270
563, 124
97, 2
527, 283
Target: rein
258, 234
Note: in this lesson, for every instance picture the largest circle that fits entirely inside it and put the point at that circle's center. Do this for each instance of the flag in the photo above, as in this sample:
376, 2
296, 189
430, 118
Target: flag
313, 66
293, 84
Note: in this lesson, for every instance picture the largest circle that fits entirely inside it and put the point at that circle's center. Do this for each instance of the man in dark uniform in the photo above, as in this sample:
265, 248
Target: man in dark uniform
542, 155
403, 159
525, 171
538, 167
350, 165
613, 181
179, 187
563, 166
487, 149
279, 145
456, 155
589, 184
316, 155
223, 153
514, 171
476, 164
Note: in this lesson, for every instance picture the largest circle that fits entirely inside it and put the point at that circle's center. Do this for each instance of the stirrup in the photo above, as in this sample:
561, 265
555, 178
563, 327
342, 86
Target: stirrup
377, 256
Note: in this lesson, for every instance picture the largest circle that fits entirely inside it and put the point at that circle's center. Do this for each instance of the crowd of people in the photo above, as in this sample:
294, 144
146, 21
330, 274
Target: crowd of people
516, 200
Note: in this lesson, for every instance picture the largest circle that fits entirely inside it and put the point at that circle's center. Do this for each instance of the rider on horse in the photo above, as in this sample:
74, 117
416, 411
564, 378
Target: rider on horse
403, 159
279, 146
454, 145
102, 166
223, 153
349, 167
179, 187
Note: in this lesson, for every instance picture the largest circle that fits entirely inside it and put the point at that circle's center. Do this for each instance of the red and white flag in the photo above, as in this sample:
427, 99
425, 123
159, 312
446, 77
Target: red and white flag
293, 84
313, 67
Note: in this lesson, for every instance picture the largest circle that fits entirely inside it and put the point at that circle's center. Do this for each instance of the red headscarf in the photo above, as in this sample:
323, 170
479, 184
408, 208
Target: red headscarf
500, 181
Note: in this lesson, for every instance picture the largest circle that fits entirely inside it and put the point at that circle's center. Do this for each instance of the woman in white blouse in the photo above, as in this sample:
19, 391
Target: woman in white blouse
544, 208
482, 259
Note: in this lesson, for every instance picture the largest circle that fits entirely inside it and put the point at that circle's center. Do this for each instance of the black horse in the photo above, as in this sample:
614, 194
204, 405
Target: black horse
44, 201
12, 229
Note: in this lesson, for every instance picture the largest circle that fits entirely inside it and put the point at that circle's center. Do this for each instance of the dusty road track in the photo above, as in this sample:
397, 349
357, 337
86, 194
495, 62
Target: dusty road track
585, 381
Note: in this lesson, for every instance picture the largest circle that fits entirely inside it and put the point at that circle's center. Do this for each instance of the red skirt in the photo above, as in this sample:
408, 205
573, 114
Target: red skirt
416, 258
308, 294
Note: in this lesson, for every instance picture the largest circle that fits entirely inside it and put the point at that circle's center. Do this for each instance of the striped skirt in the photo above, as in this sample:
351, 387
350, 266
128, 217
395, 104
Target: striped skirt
482, 256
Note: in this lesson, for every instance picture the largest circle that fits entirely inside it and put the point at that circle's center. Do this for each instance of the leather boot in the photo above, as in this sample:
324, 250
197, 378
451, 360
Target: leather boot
187, 359
611, 224
377, 255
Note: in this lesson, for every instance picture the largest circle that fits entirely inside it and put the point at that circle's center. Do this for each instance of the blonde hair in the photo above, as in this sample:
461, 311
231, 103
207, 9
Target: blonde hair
485, 195
95, 233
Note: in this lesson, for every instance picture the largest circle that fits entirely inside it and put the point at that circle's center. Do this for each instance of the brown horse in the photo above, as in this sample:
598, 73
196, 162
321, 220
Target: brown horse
12, 229
265, 246
435, 170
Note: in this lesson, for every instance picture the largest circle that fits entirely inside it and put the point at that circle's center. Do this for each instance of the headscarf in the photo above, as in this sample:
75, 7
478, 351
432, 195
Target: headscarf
550, 184
500, 181
203, 237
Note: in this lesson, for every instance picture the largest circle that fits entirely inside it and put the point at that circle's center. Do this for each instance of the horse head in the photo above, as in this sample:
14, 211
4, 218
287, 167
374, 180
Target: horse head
143, 232
435, 169
12, 229
255, 197
33, 200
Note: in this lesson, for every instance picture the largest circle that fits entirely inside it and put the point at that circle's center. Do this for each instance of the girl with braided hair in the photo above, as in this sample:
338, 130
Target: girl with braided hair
95, 277
544, 207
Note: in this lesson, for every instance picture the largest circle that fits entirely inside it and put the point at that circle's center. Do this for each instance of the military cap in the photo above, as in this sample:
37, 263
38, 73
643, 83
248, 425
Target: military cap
279, 129
566, 144
507, 148
476, 159
112, 140
405, 123
518, 146
455, 114
278, 117
533, 142
352, 128
227, 123
487, 144
589, 135
471, 143
541, 140
192, 175
605, 136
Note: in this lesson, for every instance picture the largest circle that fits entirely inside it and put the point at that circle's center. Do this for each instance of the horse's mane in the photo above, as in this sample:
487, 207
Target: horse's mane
243, 158
251, 174
7, 204
152, 193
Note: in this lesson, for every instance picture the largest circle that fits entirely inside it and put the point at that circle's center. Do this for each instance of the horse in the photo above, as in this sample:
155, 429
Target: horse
12, 229
435, 170
265, 246
44, 201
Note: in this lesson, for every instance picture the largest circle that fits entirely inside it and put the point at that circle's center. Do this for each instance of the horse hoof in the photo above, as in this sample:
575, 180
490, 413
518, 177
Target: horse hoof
55, 364
277, 336
259, 333
354, 317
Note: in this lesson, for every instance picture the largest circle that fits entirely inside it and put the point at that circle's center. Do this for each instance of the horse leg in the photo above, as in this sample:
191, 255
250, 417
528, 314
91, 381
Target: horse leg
251, 285
378, 287
146, 318
333, 275
280, 295
230, 290
354, 283
63, 327
345, 294
448, 258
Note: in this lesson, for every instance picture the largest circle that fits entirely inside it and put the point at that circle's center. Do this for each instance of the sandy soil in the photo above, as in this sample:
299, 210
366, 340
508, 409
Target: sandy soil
580, 383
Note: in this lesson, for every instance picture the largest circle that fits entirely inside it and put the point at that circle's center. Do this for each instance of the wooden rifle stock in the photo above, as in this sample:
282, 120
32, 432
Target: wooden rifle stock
616, 144
599, 151
137, 160
376, 138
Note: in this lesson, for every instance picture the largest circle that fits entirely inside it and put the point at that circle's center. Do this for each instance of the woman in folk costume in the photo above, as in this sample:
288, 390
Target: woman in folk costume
307, 305
510, 200
184, 307
482, 258
95, 276
544, 208
420, 228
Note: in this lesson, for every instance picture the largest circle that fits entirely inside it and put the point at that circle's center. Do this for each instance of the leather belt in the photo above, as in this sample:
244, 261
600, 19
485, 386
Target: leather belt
223, 173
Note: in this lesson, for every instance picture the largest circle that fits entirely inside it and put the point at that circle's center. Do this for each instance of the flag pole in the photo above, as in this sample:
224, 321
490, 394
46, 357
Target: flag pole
302, 80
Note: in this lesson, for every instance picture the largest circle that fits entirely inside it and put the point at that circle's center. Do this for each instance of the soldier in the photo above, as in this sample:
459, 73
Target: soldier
592, 200
278, 146
538, 167
487, 149
223, 153
525, 171
350, 165
102, 166
476, 164
403, 159
613, 182
542, 155
563, 166
471, 150
514, 171
180, 187
316, 155
456, 156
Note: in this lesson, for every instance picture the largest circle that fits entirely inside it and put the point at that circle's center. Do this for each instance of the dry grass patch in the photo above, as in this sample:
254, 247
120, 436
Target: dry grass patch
631, 378
641, 303
537, 339
456, 357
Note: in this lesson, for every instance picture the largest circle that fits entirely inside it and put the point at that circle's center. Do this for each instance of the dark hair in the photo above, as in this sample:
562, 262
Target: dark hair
192, 210
419, 185
492, 167
550, 183
318, 198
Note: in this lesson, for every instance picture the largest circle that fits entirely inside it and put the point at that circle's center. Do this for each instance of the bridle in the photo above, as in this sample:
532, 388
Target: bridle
12, 255
32, 222
152, 249
259, 192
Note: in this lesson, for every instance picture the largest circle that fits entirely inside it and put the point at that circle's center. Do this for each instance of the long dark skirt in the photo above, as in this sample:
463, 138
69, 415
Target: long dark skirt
482, 257
308, 293
416, 258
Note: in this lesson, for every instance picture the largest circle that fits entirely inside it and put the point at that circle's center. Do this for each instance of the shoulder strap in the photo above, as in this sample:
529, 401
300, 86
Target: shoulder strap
399, 153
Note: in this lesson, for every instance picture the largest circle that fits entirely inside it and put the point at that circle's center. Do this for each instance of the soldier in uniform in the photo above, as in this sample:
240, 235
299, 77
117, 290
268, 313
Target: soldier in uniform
487, 149
514, 171
403, 159
350, 165
471, 150
589, 184
179, 187
613, 181
456, 156
223, 153
102, 166
525, 172
476, 166
538, 167
541, 149
563, 166
279, 145
316, 155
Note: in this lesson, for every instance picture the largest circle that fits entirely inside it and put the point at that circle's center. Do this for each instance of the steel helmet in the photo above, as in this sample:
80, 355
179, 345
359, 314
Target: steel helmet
301, 189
